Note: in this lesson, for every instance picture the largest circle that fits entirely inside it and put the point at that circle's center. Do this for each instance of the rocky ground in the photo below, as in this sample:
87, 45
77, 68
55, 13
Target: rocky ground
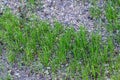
69, 12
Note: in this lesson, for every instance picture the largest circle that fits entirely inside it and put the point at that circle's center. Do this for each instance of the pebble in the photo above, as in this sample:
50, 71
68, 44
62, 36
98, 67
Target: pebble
66, 65
46, 72
48, 68
17, 74
106, 65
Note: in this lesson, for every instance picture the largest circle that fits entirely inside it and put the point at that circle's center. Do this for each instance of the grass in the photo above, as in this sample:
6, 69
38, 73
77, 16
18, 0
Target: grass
109, 15
111, 12
84, 52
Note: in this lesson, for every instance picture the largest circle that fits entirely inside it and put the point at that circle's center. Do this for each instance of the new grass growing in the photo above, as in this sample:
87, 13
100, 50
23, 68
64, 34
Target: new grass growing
85, 53
108, 15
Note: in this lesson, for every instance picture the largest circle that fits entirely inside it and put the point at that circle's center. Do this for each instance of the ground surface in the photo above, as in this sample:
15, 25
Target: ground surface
69, 12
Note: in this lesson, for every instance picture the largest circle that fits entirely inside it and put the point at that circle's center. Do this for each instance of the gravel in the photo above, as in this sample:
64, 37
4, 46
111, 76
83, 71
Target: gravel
68, 12
16, 72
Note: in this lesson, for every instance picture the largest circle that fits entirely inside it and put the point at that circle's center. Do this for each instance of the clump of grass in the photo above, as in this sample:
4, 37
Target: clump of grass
111, 12
54, 46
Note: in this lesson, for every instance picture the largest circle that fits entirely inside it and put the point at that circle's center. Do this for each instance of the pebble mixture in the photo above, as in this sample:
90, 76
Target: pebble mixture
68, 12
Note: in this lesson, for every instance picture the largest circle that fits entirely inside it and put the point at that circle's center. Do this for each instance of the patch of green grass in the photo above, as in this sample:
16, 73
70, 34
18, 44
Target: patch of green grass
95, 12
111, 12
112, 15
8, 77
55, 46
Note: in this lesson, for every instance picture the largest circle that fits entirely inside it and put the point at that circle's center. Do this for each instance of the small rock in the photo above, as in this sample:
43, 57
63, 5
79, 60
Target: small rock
66, 65
106, 65
46, 72
11, 72
62, 65
48, 68
17, 74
